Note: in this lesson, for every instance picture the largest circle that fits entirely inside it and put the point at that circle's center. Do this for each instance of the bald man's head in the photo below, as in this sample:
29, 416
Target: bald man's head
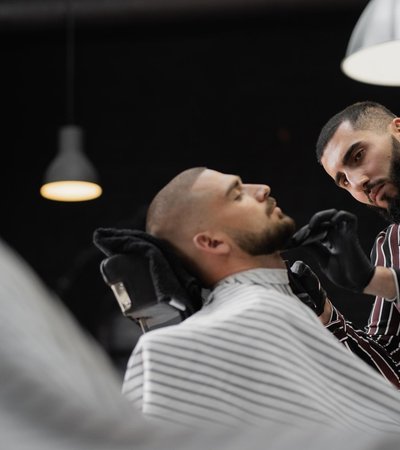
175, 211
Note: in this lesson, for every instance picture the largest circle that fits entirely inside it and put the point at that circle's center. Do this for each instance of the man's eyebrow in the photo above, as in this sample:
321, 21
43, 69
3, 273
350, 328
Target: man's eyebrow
236, 183
345, 159
349, 152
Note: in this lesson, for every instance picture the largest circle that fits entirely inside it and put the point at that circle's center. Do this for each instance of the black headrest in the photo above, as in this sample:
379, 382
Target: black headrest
168, 275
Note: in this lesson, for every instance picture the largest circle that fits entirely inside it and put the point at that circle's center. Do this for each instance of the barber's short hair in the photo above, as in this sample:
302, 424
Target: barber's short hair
170, 206
365, 115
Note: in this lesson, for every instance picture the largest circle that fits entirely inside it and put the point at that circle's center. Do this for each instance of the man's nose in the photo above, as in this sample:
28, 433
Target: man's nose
358, 181
259, 191
262, 191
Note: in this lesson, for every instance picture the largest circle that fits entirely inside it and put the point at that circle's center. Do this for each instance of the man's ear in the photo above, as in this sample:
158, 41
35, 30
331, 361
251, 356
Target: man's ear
396, 125
211, 243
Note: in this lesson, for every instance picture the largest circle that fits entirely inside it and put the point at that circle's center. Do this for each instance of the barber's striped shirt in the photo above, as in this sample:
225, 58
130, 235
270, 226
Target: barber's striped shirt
255, 354
384, 320
365, 347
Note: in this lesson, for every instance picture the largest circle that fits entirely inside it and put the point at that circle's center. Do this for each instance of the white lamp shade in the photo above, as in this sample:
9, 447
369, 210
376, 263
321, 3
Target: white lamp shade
70, 177
373, 52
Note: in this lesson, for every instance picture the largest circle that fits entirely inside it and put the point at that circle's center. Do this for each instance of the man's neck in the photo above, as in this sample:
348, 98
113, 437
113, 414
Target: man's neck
272, 261
247, 262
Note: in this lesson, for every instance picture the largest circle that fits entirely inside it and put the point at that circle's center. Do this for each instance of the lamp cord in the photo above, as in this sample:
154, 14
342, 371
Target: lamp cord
70, 57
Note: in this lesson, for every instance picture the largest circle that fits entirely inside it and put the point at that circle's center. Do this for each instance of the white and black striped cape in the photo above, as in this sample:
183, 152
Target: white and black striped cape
255, 354
58, 390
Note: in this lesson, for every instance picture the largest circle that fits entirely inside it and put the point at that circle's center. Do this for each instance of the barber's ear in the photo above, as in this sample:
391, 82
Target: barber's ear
211, 243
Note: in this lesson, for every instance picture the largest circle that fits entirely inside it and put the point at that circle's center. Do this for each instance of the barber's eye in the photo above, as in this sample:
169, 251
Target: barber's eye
358, 155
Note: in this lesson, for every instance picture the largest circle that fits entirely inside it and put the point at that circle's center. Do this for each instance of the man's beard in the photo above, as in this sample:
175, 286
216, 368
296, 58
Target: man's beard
392, 213
271, 240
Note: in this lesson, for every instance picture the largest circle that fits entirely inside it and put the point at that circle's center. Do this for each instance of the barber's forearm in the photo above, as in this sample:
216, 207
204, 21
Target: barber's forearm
325, 317
382, 284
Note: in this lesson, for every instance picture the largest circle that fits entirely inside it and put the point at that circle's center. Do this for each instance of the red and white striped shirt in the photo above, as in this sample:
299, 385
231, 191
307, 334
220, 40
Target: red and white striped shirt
384, 321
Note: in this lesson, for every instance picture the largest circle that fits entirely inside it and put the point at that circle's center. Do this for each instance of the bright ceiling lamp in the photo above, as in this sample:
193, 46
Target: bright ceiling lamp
373, 52
70, 177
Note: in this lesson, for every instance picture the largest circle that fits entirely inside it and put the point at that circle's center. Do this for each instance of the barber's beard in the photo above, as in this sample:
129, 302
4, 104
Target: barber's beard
392, 213
269, 241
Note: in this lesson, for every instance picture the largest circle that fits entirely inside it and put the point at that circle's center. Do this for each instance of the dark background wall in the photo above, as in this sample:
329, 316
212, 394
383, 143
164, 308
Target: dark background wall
240, 89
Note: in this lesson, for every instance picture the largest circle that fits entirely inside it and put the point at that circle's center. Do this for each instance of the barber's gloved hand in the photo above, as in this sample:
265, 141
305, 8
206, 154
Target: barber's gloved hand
315, 231
331, 237
305, 285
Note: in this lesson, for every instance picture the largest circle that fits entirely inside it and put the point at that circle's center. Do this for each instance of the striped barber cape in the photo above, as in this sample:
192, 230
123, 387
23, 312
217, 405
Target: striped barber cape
255, 354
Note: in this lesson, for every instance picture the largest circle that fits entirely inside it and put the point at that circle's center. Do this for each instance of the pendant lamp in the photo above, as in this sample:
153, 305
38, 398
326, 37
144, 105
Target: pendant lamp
373, 52
70, 177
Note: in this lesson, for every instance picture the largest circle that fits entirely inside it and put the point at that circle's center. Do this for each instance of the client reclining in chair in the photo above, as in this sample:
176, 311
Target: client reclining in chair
254, 352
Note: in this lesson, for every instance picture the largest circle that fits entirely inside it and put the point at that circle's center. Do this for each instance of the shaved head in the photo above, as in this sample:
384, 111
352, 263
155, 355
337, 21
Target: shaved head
176, 210
217, 224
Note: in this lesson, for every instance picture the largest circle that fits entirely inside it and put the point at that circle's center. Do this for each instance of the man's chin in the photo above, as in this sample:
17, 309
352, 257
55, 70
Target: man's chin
391, 213
290, 225
271, 241
286, 232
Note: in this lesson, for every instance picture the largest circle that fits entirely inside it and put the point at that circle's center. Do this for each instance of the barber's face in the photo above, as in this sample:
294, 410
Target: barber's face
246, 212
392, 212
362, 162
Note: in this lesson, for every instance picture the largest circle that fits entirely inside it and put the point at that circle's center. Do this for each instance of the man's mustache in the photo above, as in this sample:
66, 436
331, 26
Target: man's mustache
271, 203
369, 186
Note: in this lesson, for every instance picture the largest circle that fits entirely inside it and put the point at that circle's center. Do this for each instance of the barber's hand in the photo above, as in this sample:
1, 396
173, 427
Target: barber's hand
315, 231
306, 286
331, 237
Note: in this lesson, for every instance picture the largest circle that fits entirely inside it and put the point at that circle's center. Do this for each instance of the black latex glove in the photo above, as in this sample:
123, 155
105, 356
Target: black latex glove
305, 285
331, 237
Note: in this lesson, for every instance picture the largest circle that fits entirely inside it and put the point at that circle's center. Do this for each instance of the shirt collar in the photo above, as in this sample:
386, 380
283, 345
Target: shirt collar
260, 276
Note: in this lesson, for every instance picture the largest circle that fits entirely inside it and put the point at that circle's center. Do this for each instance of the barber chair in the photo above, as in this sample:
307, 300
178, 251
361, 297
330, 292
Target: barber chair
128, 276
149, 281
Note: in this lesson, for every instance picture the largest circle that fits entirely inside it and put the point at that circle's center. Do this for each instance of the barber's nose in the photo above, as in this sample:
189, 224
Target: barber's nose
357, 181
